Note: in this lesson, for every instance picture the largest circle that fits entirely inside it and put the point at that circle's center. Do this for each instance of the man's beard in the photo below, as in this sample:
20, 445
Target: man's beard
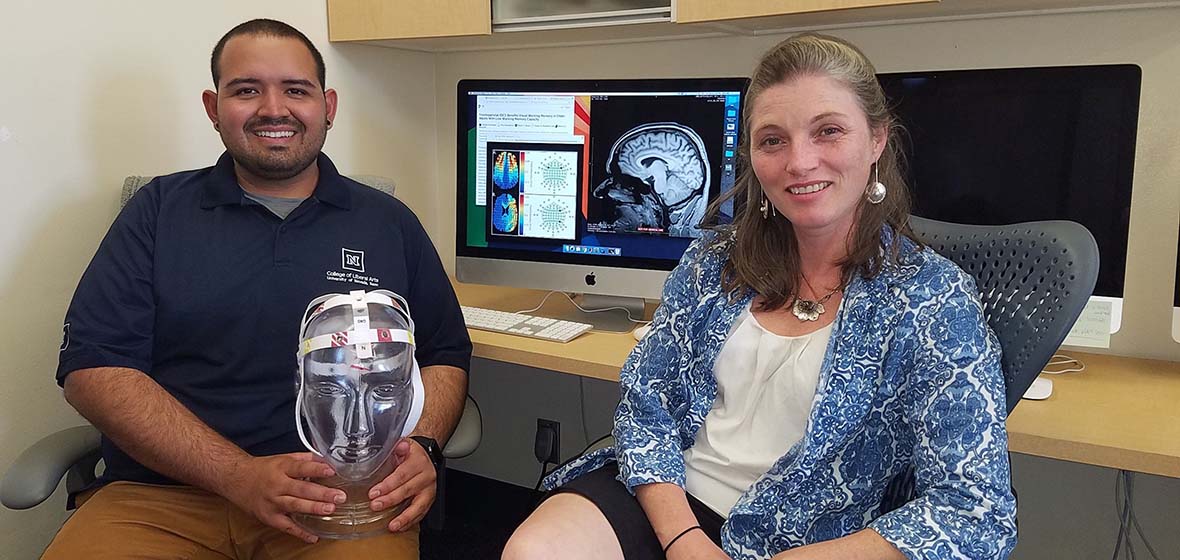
275, 166
279, 165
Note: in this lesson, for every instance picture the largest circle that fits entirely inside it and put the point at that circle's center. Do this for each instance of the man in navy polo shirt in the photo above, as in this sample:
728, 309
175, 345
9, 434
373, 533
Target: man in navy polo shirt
181, 338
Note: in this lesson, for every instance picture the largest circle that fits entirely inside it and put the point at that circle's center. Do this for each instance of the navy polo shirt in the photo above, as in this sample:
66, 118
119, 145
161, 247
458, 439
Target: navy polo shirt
204, 290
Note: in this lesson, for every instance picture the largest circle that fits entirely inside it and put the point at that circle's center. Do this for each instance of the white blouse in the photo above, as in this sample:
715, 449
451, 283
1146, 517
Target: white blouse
765, 385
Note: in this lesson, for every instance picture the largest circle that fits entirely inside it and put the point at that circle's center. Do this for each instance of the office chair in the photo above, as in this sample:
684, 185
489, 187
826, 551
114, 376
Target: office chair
75, 452
1034, 278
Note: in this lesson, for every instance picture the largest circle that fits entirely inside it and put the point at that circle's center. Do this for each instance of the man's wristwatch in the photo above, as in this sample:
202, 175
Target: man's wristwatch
432, 450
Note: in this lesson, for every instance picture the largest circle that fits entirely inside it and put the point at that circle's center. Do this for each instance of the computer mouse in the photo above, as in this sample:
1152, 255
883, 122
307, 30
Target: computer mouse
640, 331
1040, 389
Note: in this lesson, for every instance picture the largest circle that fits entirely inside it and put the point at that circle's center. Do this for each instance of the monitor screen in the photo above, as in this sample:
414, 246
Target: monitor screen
1003, 146
603, 177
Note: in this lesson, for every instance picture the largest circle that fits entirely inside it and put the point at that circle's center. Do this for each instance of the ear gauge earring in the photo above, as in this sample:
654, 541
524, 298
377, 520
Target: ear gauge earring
875, 193
217, 127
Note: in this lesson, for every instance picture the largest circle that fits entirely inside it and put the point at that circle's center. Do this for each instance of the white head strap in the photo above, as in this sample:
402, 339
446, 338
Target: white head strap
362, 337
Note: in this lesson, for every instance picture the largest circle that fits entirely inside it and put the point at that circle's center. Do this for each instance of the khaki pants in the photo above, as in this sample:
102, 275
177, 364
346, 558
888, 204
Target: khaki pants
130, 520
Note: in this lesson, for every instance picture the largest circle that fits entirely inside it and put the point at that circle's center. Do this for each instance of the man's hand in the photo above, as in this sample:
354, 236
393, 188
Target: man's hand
412, 480
696, 545
155, 429
270, 488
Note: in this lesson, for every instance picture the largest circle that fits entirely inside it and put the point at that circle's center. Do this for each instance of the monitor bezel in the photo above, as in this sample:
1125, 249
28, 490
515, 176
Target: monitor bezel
464, 89
1128, 77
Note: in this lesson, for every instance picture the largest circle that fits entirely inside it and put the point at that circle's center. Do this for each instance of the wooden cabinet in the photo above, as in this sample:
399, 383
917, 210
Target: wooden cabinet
460, 25
367, 20
698, 11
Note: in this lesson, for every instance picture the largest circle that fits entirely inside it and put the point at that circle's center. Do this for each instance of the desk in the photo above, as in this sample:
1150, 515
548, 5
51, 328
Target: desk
594, 354
1121, 413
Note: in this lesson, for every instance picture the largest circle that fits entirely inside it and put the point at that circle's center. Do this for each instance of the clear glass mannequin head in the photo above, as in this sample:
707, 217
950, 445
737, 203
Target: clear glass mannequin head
354, 409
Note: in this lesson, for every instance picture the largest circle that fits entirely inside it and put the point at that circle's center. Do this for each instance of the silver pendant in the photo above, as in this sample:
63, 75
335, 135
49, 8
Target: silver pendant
807, 310
875, 193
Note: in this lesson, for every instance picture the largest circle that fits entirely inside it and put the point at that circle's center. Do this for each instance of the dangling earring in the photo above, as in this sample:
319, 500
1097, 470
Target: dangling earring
875, 193
767, 208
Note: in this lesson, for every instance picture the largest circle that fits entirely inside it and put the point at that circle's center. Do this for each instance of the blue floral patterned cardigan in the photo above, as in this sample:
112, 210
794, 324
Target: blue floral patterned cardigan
911, 376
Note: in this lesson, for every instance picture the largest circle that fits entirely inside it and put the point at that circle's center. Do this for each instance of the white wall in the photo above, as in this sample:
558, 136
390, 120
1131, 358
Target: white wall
93, 91
1066, 510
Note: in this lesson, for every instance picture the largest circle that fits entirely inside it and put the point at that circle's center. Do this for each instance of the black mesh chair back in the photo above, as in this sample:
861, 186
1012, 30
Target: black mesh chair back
1034, 279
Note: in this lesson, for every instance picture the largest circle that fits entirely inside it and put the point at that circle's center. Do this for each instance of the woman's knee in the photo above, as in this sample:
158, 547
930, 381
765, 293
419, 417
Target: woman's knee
526, 544
563, 526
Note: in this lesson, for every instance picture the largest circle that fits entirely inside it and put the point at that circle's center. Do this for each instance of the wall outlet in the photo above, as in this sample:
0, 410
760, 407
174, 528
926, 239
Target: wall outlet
547, 445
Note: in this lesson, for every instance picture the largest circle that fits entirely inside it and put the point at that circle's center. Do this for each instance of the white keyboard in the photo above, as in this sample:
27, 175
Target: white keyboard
524, 325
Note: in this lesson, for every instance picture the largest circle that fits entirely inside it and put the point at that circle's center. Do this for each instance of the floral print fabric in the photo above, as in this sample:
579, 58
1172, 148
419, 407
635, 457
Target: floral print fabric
911, 376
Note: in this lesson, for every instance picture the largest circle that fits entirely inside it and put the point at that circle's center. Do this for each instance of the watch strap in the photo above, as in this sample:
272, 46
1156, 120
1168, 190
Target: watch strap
433, 450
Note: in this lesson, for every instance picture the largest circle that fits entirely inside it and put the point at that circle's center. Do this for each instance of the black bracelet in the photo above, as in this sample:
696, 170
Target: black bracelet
677, 537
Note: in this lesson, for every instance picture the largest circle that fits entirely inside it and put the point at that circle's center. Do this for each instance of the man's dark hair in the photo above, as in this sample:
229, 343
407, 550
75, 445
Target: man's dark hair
271, 28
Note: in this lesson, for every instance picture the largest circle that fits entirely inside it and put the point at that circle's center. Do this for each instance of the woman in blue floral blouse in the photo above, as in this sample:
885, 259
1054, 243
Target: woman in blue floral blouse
801, 359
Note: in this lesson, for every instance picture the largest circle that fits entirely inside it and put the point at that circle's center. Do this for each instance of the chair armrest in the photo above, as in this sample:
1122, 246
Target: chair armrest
35, 474
467, 434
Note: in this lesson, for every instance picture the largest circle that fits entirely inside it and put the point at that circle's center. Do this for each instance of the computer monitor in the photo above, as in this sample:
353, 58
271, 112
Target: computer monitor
1176, 301
589, 186
1011, 145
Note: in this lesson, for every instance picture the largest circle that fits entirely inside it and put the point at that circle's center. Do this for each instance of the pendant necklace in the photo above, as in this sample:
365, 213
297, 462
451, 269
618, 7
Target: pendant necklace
809, 310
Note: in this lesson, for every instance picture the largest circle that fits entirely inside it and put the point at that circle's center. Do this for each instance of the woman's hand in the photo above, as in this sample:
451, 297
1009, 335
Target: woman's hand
695, 545
865, 544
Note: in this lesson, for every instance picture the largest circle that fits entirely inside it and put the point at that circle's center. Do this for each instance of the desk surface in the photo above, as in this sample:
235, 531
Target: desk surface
1121, 413
594, 354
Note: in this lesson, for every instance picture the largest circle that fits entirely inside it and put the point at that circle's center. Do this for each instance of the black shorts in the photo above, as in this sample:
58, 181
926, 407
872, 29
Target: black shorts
626, 516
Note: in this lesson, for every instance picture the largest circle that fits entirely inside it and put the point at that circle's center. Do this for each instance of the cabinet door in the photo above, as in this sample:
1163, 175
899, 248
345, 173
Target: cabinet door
364, 20
696, 11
